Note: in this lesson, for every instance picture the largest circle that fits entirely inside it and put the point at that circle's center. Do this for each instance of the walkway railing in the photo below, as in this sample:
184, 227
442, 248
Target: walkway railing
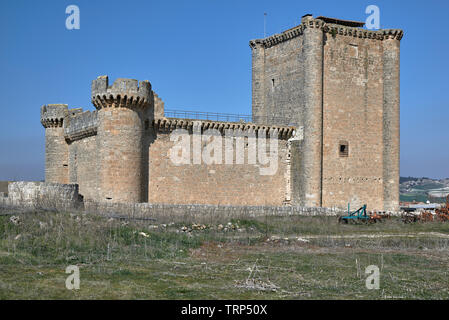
225, 117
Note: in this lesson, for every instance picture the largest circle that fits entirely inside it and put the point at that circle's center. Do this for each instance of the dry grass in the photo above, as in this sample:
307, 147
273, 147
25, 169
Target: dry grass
264, 258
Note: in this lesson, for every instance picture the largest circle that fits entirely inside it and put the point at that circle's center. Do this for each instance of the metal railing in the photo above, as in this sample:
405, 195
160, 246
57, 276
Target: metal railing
226, 117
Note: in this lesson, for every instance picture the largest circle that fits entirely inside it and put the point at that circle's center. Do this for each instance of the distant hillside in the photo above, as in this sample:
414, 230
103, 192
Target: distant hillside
423, 189
406, 179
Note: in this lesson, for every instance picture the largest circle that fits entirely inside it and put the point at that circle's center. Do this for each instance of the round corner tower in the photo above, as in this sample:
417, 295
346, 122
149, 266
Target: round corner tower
122, 110
53, 117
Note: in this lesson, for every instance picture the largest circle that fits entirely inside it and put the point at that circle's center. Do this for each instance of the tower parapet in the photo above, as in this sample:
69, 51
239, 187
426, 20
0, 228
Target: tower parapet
53, 115
331, 26
123, 93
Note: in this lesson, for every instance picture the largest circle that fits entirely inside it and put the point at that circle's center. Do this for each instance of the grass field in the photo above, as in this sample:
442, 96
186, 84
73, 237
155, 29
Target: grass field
264, 258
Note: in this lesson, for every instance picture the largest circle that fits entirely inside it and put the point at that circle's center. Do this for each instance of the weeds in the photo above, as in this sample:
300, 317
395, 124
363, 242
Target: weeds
295, 258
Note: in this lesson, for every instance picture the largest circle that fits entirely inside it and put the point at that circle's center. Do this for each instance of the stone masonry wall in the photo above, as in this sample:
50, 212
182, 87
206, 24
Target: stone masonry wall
56, 156
83, 165
80, 133
278, 75
120, 154
163, 213
226, 184
42, 195
352, 116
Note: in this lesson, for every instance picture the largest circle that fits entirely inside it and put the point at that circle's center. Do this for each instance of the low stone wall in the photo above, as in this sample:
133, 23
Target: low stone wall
204, 213
194, 212
41, 195
54, 196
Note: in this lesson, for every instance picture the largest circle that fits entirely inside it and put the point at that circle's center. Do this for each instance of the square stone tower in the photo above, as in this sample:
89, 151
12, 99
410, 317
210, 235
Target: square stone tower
339, 85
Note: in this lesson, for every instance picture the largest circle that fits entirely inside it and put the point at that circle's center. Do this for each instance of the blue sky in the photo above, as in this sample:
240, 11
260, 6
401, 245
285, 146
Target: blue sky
196, 55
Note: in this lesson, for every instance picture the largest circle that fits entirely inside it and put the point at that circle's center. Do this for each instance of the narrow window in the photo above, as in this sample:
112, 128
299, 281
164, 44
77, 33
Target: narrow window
272, 83
147, 124
343, 149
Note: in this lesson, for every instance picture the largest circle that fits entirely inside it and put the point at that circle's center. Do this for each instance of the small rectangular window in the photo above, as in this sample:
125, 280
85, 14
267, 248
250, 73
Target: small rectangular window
343, 149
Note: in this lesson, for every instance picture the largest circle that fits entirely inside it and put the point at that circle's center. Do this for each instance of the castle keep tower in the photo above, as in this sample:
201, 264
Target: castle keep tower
339, 85
122, 111
56, 148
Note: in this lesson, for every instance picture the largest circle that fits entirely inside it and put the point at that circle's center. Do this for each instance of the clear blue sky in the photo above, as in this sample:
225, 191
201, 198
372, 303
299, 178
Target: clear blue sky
196, 55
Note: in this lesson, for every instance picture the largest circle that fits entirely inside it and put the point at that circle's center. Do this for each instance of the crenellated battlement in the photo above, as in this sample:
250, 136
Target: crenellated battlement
126, 93
158, 105
170, 124
81, 125
53, 115
330, 26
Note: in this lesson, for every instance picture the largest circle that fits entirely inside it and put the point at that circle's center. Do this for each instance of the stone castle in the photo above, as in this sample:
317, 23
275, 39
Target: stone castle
328, 88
